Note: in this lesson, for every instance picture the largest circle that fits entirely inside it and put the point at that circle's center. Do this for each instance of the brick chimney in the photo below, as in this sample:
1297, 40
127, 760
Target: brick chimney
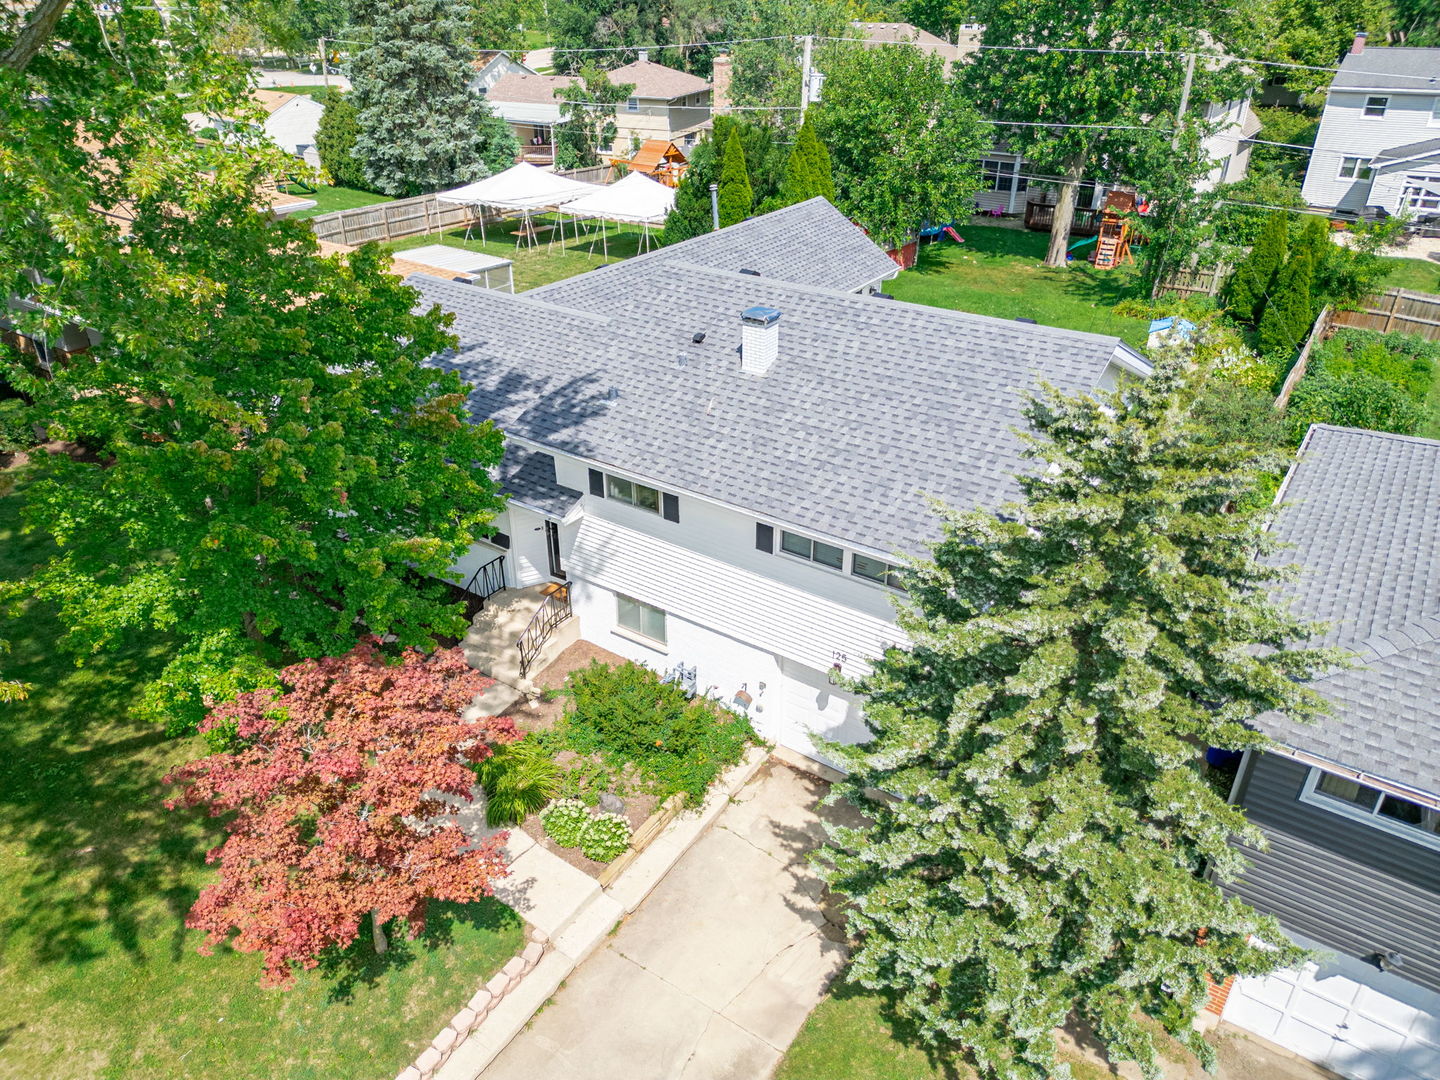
720, 84
759, 339
1358, 45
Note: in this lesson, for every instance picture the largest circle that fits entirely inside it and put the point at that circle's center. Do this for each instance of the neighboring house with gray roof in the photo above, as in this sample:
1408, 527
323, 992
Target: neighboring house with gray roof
1379, 138
723, 465
1351, 805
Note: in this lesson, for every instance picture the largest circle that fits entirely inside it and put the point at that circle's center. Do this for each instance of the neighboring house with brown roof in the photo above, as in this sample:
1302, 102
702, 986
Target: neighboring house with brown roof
527, 102
666, 104
291, 121
967, 40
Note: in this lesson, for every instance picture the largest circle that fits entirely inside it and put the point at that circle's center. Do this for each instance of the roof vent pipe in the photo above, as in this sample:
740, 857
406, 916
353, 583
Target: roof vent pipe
759, 339
1358, 45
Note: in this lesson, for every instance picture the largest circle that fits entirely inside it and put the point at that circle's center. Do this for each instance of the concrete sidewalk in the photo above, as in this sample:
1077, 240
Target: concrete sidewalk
714, 975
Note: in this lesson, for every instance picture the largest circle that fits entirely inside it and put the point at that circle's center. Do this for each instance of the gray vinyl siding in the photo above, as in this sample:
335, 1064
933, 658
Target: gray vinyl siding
1354, 888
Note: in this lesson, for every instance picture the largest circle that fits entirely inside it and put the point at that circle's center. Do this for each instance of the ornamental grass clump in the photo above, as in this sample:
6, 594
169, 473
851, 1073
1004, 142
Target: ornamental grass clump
627, 716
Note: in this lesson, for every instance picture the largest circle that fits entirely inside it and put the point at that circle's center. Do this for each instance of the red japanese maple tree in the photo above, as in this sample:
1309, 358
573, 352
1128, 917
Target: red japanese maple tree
332, 808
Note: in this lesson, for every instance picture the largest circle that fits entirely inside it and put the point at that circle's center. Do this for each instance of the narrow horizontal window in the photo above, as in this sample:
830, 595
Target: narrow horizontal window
640, 618
876, 570
632, 494
814, 550
1374, 807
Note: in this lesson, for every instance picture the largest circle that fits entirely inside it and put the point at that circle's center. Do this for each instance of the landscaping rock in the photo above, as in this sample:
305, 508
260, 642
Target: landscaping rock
532, 953
482, 1001
515, 969
428, 1062
611, 803
536, 934
411, 1073
464, 1021
446, 1040
498, 984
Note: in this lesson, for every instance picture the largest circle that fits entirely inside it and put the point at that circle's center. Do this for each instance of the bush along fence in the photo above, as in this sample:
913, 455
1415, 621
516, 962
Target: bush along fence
473, 1015
411, 217
1297, 370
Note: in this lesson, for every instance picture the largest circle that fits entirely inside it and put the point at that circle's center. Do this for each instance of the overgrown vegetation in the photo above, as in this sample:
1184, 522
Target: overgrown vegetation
626, 716
519, 778
1360, 378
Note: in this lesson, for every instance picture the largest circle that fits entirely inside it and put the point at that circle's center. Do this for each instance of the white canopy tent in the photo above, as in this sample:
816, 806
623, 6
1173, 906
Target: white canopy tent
636, 199
522, 187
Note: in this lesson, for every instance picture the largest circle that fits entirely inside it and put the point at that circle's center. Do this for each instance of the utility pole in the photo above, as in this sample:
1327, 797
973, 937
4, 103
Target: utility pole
714, 207
324, 69
1184, 98
809, 40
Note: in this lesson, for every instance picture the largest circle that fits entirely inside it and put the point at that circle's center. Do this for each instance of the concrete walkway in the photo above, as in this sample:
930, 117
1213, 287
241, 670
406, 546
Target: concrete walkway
713, 976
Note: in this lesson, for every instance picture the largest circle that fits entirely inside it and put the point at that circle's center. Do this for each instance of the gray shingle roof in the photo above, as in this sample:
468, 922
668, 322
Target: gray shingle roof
1423, 148
1362, 511
871, 401
528, 477
810, 243
1390, 69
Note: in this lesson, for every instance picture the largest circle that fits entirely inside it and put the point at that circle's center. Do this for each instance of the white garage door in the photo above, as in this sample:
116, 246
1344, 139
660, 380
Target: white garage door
1346, 1015
812, 705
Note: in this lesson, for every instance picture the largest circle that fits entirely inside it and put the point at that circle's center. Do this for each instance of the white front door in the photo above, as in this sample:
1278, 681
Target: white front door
1346, 1015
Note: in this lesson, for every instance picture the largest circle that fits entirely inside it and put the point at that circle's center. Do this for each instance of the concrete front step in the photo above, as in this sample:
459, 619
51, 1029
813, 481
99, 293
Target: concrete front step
492, 643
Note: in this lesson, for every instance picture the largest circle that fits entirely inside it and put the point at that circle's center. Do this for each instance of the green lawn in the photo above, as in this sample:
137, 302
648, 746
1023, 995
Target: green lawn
99, 979
1417, 275
538, 265
328, 198
1000, 272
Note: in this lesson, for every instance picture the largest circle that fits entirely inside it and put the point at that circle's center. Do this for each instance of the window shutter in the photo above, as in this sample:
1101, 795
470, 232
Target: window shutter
765, 538
597, 483
670, 506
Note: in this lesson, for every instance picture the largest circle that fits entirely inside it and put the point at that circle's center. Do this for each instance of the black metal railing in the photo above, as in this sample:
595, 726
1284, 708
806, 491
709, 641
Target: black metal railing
483, 584
553, 611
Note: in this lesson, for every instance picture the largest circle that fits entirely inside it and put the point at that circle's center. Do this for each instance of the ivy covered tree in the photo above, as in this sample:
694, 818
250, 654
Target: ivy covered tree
588, 109
1041, 849
331, 790
905, 142
1290, 309
335, 142
1255, 276
421, 128
736, 197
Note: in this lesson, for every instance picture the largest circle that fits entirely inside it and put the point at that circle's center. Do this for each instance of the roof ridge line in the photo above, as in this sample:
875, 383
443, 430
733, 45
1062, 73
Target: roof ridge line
504, 297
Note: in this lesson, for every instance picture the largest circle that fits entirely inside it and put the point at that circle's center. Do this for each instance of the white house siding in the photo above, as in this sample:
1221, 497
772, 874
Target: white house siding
527, 559
1345, 1014
292, 127
1345, 131
1227, 148
655, 118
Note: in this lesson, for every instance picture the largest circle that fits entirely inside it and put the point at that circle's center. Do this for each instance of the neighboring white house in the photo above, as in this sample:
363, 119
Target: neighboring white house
1379, 138
722, 445
490, 67
291, 121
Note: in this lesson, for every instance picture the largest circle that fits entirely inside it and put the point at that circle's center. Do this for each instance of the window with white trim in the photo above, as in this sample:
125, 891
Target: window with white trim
1422, 192
631, 493
1376, 105
996, 175
1341, 795
876, 570
632, 104
815, 550
1354, 168
640, 618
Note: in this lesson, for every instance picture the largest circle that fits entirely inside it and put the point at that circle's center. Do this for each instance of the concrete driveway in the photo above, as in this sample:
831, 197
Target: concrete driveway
715, 973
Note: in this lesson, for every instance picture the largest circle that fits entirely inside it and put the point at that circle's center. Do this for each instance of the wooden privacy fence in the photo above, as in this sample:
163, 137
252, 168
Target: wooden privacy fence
391, 221
1318, 333
1398, 310
1190, 282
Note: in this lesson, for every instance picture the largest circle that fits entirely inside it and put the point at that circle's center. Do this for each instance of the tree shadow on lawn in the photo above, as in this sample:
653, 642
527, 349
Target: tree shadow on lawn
359, 965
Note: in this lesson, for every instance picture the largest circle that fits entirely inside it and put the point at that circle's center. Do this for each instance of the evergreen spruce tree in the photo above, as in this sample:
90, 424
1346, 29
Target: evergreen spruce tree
421, 128
821, 167
335, 142
1042, 847
1290, 311
1255, 276
736, 196
807, 170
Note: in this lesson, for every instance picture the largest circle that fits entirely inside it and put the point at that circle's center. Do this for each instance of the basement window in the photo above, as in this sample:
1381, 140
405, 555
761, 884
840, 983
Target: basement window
640, 618
1341, 795
814, 550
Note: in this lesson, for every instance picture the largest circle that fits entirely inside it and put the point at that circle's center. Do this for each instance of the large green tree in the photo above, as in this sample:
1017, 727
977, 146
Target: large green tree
1318, 33
335, 141
691, 214
736, 197
421, 129
808, 171
903, 139
1290, 309
1255, 276
267, 461
1041, 847
588, 107
1121, 107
